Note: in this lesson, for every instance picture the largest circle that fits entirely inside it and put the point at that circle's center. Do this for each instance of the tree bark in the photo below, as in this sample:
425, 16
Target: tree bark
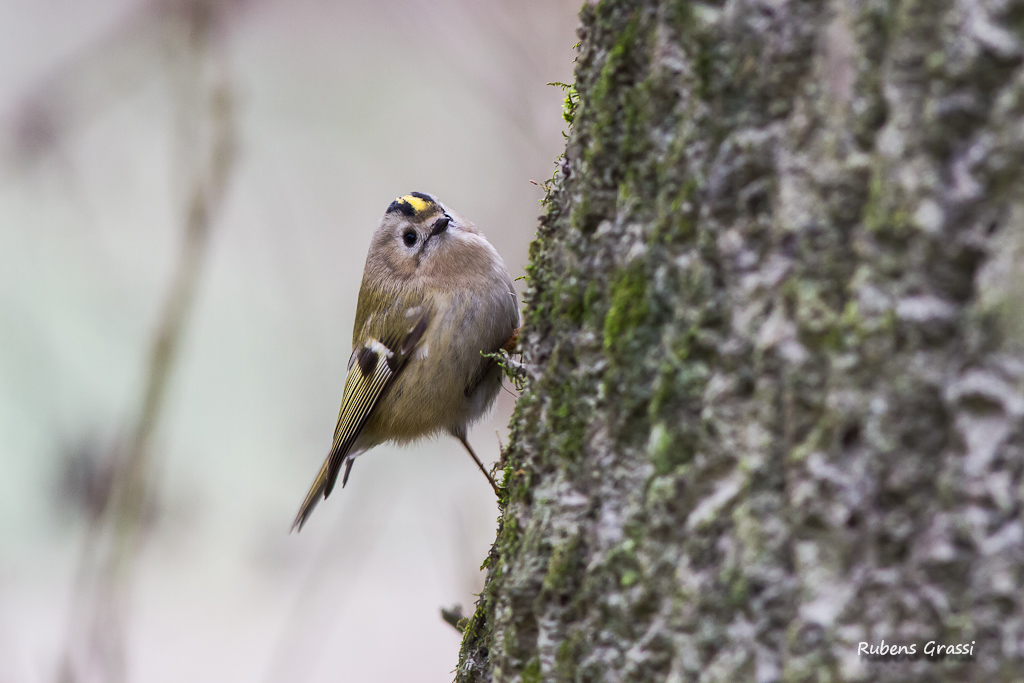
773, 328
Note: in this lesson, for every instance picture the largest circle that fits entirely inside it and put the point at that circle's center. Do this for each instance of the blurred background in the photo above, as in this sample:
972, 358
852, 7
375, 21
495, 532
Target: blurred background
187, 192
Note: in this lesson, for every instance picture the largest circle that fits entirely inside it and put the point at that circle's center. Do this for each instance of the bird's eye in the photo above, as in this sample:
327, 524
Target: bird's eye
409, 238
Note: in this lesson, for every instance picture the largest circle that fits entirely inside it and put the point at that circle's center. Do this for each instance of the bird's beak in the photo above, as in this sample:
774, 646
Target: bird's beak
440, 226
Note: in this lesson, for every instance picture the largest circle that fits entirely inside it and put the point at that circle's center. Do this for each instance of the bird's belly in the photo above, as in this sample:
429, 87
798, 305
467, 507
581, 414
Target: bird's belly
430, 395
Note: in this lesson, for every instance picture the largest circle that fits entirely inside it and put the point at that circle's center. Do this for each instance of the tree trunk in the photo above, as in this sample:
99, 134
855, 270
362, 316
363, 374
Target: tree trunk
773, 329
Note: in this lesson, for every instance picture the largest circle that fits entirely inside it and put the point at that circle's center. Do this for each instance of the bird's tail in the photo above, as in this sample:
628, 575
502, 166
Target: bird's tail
316, 493
319, 490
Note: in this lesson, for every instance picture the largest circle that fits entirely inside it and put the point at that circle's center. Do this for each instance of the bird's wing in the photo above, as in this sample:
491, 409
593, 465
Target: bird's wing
377, 364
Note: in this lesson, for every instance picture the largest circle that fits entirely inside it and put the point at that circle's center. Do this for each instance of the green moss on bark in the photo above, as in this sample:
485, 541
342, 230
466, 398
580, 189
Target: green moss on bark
765, 376
628, 310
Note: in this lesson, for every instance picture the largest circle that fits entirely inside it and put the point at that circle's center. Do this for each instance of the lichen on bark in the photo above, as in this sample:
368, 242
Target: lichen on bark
773, 325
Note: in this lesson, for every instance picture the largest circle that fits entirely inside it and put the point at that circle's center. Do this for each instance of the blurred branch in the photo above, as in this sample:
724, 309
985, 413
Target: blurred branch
95, 646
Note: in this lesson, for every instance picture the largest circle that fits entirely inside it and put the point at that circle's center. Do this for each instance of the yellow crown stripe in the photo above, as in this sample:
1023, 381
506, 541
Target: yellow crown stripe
418, 205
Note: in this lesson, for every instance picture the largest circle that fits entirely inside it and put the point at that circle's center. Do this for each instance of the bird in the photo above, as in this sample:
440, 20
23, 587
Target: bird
434, 299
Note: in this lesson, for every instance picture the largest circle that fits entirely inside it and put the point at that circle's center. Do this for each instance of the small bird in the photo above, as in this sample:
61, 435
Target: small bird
435, 297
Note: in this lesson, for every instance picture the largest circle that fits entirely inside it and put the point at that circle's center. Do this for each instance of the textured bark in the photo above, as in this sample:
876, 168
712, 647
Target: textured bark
774, 326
